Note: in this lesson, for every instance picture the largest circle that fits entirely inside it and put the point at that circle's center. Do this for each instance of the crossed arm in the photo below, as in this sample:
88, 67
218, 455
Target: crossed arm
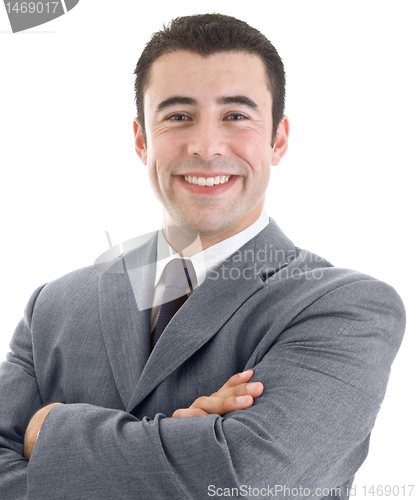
235, 394
324, 380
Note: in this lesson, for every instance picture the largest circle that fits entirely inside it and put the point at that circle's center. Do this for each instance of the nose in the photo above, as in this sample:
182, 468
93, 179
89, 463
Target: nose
207, 140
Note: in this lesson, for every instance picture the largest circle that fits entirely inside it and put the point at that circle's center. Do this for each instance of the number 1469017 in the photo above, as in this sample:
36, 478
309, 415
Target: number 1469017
32, 7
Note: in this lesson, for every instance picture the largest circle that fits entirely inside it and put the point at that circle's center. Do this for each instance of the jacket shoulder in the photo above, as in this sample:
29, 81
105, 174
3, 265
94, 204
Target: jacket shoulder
73, 289
309, 280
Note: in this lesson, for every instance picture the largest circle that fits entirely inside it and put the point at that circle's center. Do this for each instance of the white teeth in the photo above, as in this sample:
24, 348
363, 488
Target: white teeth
210, 181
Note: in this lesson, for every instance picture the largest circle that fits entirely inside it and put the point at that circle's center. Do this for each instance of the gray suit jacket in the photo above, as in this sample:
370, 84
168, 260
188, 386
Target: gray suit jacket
321, 339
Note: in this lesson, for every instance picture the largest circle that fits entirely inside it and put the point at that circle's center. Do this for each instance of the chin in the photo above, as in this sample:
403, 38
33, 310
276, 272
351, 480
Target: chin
206, 225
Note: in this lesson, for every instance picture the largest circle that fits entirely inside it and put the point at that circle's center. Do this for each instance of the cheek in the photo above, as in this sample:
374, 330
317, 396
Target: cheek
164, 150
253, 149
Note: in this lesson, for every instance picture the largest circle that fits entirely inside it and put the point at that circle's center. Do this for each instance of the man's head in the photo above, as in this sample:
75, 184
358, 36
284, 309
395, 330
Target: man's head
207, 34
210, 100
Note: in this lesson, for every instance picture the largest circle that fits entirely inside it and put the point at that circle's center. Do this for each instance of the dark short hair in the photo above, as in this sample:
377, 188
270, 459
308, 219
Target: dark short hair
207, 34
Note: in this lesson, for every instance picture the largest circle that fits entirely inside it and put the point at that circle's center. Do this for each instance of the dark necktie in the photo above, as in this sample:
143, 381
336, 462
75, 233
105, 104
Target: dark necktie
178, 280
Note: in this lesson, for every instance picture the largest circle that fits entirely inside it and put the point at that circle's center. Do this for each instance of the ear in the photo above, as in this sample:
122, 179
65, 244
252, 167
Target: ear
139, 141
280, 141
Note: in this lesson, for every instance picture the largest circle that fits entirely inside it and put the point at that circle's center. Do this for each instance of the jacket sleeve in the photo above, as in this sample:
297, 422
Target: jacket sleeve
19, 400
324, 376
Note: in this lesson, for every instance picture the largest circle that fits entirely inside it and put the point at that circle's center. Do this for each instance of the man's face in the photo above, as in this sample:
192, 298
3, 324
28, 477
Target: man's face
208, 123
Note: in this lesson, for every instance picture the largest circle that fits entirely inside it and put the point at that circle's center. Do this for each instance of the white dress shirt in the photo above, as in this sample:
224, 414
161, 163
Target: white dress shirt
204, 262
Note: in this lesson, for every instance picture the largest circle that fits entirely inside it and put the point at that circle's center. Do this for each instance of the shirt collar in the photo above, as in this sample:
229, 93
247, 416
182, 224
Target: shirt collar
210, 259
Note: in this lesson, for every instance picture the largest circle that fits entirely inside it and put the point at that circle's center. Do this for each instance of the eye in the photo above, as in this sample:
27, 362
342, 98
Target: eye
177, 117
236, 116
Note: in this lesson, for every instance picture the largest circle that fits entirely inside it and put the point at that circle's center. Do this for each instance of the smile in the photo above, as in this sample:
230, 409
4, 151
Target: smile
210, 181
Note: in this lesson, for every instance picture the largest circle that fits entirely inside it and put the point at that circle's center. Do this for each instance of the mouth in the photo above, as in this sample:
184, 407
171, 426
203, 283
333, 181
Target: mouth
207, 181
208, 186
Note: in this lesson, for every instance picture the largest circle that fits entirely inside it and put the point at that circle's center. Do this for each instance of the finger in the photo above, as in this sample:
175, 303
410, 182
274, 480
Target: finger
221, 406
253, 388
189, 412
237, 379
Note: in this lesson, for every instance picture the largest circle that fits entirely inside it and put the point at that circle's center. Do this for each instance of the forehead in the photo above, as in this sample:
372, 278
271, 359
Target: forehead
190, 74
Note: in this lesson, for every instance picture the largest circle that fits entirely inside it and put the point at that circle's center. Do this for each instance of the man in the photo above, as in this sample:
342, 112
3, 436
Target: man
295, 353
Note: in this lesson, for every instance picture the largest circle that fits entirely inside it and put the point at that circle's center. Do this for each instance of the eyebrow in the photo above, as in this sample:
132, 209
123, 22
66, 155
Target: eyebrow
177, 99
237, 99
234, 99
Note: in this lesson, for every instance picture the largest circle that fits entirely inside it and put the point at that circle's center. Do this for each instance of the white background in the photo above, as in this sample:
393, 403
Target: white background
345, 189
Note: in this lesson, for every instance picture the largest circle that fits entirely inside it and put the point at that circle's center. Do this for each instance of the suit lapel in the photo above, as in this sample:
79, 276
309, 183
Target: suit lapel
125, 320
212, 304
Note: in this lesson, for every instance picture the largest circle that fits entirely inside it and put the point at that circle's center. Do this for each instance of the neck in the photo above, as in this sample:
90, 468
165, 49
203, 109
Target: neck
187, 241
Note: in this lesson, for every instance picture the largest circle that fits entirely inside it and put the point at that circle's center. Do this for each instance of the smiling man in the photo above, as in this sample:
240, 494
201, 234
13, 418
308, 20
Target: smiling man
255, 369
210, 140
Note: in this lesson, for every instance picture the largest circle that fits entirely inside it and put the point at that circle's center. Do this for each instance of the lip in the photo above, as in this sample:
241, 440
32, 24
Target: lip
205, 175
211, 190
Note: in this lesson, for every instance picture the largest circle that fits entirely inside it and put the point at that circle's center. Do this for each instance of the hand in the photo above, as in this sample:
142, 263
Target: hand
35, 424
235, 394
